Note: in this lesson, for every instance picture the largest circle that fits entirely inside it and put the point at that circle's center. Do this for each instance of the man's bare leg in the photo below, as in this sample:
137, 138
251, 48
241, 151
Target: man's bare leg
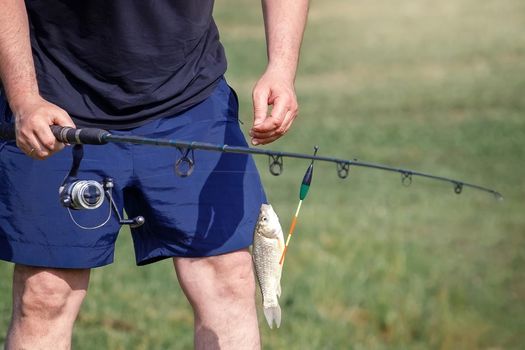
221, 290
45, 305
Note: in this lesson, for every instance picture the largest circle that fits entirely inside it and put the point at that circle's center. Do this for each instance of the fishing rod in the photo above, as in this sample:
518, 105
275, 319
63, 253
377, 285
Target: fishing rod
185, 165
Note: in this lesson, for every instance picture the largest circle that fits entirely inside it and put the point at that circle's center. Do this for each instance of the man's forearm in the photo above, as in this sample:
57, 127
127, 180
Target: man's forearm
285, 21
17, 70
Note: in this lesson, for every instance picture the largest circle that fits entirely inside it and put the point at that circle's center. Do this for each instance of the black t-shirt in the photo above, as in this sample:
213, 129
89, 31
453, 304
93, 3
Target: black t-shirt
119, 63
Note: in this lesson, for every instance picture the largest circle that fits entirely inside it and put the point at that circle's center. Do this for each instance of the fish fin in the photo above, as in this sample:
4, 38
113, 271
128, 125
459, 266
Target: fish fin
280, 245
273, 314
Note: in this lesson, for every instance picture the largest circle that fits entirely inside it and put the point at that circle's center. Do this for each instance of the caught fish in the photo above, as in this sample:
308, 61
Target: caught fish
268, 245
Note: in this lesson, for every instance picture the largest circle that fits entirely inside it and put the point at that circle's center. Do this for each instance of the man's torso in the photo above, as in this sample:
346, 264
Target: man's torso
119, 63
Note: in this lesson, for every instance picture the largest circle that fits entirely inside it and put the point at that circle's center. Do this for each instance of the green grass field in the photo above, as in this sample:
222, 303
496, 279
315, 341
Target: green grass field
432, 86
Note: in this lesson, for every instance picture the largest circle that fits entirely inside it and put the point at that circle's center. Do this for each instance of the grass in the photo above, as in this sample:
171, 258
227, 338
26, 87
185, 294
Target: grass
433, 86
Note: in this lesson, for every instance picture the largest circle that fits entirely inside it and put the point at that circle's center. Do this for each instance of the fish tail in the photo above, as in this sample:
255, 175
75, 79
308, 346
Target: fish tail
273, 314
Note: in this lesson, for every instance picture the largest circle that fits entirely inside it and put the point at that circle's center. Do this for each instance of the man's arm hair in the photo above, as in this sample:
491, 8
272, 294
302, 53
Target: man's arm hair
284, 21
17, 70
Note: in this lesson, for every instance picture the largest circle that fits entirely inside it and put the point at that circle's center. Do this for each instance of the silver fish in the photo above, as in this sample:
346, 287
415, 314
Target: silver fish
268, 246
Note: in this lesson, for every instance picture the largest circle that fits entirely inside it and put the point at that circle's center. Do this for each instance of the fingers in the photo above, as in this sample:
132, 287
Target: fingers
278, 122
31, 151
277, 91
39, 144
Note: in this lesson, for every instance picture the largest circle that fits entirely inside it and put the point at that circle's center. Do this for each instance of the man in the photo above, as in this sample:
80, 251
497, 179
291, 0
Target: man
151, 68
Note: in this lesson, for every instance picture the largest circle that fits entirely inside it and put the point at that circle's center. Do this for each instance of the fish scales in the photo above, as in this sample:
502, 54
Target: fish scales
268, 246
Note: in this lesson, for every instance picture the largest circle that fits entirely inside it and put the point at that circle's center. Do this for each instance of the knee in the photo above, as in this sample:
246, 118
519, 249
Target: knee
43, 297
43, 300
235, 281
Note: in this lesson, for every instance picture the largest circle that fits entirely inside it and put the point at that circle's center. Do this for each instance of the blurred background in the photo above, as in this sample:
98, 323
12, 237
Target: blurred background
435, 86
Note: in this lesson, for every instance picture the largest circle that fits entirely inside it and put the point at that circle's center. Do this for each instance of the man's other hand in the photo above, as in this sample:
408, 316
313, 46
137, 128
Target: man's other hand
272, 89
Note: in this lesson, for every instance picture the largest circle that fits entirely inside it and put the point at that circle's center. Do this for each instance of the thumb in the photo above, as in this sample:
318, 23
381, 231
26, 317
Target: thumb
62, 119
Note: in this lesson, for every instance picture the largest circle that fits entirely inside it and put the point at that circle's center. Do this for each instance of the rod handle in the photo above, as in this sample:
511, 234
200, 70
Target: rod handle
88, 136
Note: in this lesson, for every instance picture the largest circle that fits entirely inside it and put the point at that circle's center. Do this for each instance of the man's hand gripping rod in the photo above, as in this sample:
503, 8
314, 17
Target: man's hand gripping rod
87, 136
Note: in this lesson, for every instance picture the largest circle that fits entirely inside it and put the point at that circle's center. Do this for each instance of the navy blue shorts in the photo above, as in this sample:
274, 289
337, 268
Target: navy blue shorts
210, 212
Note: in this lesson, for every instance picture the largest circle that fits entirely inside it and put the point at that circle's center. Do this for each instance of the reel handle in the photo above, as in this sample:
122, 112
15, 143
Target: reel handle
134, 222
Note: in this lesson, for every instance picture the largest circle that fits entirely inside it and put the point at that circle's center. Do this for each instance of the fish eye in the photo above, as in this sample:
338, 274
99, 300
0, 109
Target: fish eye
264, 218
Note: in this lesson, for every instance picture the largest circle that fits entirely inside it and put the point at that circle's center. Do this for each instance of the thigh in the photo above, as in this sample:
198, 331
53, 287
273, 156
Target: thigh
42, 278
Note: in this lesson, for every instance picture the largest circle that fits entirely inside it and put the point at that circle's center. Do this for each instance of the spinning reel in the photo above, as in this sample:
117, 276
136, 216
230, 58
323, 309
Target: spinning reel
78, 194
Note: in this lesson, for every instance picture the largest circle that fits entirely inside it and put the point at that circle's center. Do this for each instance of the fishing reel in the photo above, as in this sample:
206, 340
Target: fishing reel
83, 194
78, 194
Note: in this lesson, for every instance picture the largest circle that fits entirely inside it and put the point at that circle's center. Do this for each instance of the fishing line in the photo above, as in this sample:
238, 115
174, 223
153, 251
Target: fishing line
89, 227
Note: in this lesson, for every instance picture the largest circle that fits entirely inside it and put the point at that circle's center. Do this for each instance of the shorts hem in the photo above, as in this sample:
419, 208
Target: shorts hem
166, 254
66, 257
